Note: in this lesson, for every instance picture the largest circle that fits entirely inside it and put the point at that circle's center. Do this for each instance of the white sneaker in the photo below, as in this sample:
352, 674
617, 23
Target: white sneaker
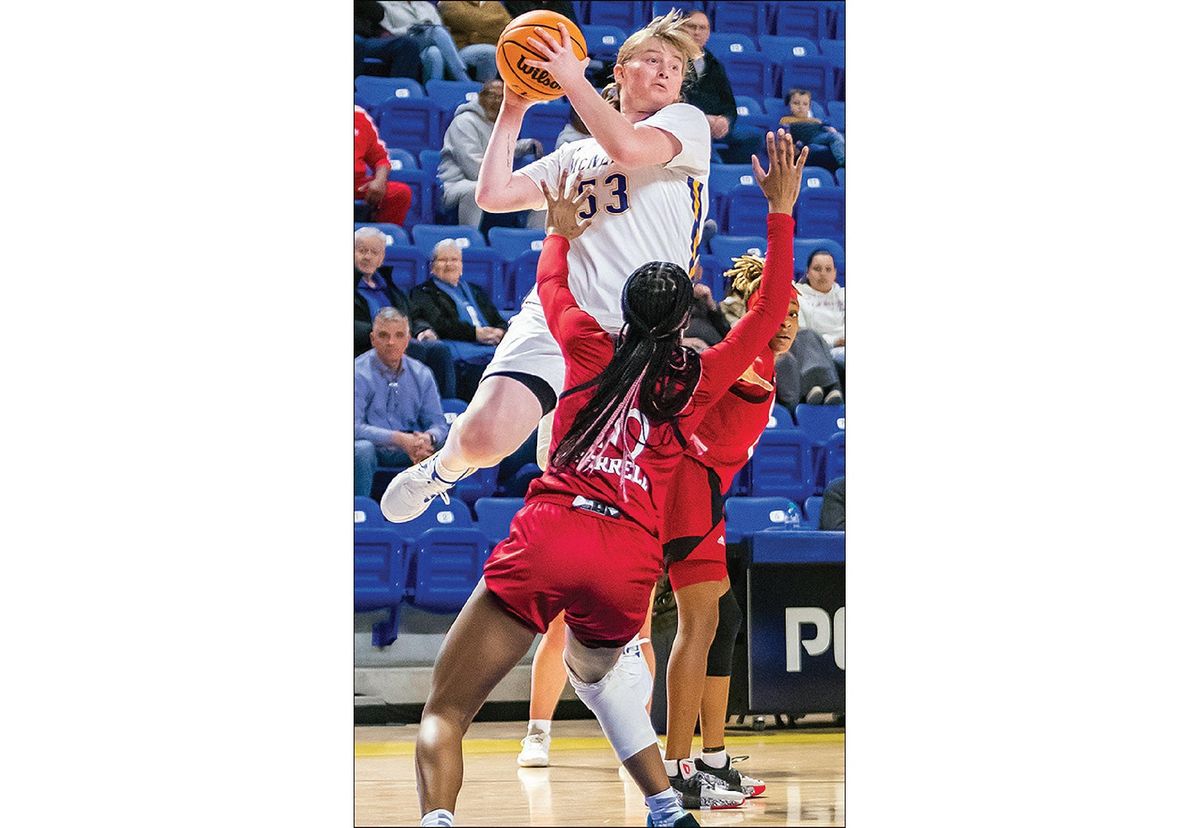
412, 490
535, 750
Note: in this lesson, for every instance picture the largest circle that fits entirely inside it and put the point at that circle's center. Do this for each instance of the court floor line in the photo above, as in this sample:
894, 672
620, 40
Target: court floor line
481, 746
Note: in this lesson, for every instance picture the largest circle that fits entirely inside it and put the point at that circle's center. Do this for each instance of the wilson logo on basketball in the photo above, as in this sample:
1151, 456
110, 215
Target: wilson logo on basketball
536, 74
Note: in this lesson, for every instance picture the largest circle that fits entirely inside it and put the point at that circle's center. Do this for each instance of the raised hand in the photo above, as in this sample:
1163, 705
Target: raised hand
562, 211
781, 181
559, 53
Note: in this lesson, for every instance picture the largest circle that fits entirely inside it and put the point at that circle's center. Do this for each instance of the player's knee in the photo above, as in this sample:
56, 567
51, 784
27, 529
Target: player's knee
720, 652
478, 442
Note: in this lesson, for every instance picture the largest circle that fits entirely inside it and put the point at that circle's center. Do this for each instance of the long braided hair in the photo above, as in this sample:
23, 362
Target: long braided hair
650, 367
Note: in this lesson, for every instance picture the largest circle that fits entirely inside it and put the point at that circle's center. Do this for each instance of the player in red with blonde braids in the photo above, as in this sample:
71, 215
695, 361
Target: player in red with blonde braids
587, 542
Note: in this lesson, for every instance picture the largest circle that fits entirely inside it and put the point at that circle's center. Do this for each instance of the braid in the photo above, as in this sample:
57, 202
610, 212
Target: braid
746, 274
649, 367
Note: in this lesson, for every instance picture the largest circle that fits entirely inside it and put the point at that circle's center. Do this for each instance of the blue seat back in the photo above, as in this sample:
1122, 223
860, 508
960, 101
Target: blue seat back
737, 16
485, 267
821, 212
841, 176
511, 242
495, 515
380, 568
713, 275
376, 91
628, 16
800, 19
781, 417
746, 515
603, 41
787, 49
426, 236
727, 248
783, 465
750, 73
430, 158
408, 266
812, 511
835, 50
421, 182
836, 116
748, 105
820, 422
544, 121
456, 514
523, 271
814, 74
815, 177
367, 513
833, 459
402, 159
411, 123
746, 210
722, 44
448, 564
481, 484
449, 95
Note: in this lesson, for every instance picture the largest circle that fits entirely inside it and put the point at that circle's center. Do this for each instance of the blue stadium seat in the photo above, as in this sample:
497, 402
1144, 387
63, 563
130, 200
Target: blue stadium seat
797, 546
411, 123
451, 408
750, 73
814, 74
746, 210
802, 248
783, 465
396, 235
422, 184
544, 121
380, 578
661, 7
836, 117
448, 564
835, 50
838, 14
799, 19
727, 248
628, 16
746, 515
730, 16
523, 274
408, 266
722, 178
402, 159
840, 175
366, 513
730, 43
713, 275
511, 242
455, 514
449, 95
375, 91
603, 41
820, 422
495, 515
815, 177
741, 483
781, 417
485, 267
748, 105
481, 484
425, 236
783, 49
832, 459
812, 511
821, 212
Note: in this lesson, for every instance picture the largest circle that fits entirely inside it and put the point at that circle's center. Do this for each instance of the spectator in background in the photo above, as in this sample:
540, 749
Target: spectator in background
807, 373
833, 506
823, 304
389, 200
710, 92
707, 325
461, 314
806, 129
421, 22
566, 9
374, 291
476, 27
400, 55
398, 418
462, 153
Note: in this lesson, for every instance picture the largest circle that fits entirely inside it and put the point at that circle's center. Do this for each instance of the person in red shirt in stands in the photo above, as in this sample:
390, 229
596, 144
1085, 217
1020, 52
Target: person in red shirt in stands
389, 200
588, 540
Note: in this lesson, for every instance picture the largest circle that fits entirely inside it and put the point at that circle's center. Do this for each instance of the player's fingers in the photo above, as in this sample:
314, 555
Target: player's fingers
562, 181
538, 45
552, 45
772, 154
546, 193
802, 157
583, 225
562, 32
759, 175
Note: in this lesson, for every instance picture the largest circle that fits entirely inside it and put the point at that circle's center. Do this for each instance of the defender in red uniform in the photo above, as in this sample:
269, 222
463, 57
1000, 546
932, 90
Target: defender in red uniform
694, 552
587, 541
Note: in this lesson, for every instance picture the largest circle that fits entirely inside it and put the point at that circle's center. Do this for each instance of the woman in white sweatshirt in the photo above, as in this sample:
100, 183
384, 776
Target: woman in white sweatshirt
823, 304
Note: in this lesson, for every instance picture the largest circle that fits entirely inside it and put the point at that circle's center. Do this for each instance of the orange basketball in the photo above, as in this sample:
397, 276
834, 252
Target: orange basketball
513, 50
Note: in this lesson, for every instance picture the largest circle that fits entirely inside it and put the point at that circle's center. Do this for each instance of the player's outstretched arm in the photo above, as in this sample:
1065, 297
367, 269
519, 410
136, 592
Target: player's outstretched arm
562, 209
498, 190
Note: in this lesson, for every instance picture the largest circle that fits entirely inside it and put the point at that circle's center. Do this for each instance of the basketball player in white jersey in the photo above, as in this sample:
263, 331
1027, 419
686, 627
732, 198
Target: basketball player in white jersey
648, 162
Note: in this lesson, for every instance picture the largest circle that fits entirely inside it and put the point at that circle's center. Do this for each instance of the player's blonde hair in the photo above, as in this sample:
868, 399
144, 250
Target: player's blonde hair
669, 29
746, 274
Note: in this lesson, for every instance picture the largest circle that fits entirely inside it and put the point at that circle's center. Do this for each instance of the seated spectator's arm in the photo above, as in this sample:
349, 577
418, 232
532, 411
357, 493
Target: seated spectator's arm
445, 325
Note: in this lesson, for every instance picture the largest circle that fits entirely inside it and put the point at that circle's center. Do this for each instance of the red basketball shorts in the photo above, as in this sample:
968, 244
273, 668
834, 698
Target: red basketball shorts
599, 570
694, 526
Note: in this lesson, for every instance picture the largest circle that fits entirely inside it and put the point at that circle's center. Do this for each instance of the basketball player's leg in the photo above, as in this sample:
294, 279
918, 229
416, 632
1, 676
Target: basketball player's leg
547, 680
483, 645
501, 416
697, 607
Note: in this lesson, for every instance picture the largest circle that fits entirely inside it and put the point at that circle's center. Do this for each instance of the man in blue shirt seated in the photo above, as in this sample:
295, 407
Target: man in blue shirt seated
461, 314
398, 418
374, 289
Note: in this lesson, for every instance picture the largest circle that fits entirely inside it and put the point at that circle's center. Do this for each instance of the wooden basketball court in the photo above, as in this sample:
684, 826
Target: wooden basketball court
804, 770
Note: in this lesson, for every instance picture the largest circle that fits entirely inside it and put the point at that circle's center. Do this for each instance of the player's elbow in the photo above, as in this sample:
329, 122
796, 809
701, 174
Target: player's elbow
485, 197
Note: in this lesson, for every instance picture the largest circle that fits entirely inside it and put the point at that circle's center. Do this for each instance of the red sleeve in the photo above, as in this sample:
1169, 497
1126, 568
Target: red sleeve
728, 359
586, 346
376, 152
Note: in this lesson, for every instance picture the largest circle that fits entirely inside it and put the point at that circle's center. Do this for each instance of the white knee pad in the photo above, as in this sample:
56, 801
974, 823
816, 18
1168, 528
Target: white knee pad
619, 702
545, 429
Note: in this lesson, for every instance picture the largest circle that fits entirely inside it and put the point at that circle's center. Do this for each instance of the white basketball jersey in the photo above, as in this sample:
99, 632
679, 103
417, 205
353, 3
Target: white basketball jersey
653, 213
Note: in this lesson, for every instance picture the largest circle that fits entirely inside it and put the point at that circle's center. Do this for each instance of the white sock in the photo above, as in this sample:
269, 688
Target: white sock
664, 808
450, 475
671, 766
539, 724
716, 758
437, 818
